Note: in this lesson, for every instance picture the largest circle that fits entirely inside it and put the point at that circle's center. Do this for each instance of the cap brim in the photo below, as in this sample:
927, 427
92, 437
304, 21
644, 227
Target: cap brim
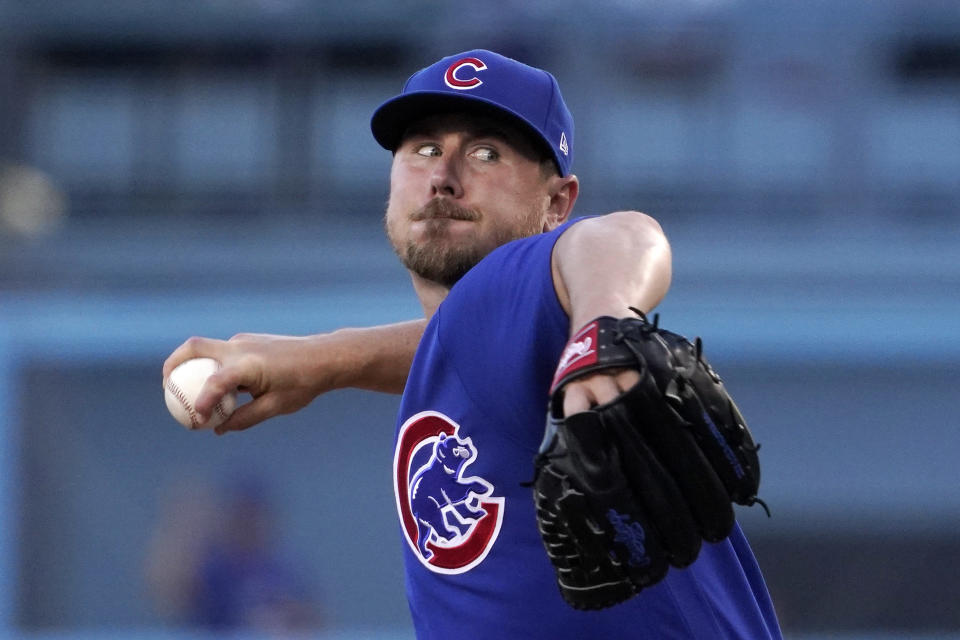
391, 120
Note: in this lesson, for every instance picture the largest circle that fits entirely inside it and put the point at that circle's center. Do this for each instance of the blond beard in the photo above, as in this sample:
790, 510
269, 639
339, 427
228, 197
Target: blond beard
436, 258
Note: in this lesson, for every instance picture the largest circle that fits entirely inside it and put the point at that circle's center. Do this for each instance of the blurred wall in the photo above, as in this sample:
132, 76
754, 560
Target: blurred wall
205, 168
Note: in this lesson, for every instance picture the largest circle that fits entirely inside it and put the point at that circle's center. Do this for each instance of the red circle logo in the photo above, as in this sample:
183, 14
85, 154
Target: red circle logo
450, 519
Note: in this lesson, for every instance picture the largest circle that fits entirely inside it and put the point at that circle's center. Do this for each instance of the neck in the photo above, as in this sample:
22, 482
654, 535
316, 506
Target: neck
430, 294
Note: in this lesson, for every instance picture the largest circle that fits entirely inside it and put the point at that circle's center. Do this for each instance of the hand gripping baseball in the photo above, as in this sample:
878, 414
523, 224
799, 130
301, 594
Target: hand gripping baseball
633, 486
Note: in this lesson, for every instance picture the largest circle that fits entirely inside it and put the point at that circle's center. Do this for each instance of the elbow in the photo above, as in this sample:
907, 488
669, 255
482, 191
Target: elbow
638, 224
642, 230
655, 269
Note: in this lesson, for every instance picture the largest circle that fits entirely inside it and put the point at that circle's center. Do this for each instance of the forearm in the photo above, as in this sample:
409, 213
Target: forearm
602, 266
283, 374
373, 358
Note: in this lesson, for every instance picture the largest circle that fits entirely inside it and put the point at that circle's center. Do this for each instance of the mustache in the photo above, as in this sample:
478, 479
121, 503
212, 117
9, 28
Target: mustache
439, 208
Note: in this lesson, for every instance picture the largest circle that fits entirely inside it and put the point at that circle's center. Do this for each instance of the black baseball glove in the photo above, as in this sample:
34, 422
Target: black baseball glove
633, 486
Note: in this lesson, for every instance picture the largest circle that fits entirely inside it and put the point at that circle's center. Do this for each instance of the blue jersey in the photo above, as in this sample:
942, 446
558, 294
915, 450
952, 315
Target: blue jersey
471, 421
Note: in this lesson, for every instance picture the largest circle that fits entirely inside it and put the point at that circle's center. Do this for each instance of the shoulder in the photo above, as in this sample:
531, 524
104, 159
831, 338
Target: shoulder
528, 249
514, 281
631, 224
518, 269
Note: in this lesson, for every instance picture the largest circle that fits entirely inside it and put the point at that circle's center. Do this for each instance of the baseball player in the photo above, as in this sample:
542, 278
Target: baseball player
513, 291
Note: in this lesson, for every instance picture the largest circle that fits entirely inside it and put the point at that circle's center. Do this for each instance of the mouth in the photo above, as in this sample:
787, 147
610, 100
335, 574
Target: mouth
444, 210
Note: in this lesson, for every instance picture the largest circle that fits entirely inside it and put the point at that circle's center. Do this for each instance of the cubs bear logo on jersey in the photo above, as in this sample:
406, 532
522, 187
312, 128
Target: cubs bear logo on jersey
449, 518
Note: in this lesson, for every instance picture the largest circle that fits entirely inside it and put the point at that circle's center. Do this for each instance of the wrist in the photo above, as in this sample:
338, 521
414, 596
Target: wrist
342, 358
582, 315
373, 358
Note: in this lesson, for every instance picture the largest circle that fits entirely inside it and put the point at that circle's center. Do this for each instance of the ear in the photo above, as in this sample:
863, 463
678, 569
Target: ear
563, 192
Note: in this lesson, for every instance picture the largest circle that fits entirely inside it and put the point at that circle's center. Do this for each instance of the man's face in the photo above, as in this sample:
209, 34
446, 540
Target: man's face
460, 187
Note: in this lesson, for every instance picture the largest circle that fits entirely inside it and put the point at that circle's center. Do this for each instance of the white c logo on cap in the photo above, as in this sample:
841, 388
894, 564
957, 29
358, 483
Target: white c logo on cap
450, 77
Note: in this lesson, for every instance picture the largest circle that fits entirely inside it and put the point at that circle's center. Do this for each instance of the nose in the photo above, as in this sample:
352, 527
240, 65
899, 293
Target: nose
445, 179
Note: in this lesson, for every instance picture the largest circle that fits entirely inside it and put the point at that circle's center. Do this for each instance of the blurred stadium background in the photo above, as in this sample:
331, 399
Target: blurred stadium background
205, 167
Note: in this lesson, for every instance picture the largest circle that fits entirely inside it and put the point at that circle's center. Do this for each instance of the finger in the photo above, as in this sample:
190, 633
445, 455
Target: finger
249, 415
220, 383
575, 399
195, 347
581, 395
602, 388
627, 379
596, 389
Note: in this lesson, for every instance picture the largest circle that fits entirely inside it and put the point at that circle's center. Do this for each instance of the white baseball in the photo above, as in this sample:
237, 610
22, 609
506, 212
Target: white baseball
182, 387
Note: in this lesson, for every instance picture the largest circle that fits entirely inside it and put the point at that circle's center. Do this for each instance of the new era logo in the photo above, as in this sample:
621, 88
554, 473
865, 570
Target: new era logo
563, 144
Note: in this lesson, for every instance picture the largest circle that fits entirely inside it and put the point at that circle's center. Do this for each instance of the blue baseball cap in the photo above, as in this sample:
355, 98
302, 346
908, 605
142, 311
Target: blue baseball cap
486, 82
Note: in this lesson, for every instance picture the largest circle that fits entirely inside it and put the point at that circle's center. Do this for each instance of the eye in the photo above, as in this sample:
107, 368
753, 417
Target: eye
485, 154
428, 150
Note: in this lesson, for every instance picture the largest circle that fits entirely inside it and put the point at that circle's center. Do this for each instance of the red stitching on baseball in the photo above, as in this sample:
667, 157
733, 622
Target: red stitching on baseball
176, 391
